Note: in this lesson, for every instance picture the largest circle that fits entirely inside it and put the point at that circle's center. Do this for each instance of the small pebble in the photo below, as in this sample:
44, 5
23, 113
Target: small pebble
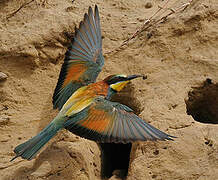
148, 5
3, 76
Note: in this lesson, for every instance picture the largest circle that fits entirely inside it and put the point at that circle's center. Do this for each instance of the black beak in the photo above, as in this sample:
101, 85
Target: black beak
136, 76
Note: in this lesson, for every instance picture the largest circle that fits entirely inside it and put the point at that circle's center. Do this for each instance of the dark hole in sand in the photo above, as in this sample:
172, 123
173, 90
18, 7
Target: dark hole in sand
115, 159
202, 103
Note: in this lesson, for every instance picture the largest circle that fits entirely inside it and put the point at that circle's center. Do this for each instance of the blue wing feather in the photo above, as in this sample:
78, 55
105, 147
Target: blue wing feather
86, 46
123, 125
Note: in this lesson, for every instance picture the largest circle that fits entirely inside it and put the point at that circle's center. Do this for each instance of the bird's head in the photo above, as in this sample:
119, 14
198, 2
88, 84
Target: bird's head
118, 82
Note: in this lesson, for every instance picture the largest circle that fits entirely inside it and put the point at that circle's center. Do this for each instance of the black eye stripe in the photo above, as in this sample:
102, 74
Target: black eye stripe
116, 79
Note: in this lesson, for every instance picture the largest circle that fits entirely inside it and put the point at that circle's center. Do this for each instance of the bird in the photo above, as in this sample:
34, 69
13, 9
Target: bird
85, 106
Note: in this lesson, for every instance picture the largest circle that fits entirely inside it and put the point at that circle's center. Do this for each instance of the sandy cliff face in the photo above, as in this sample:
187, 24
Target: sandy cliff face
180, 57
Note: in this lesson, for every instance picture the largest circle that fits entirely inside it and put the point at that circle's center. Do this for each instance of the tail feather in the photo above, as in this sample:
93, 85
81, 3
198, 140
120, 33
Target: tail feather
30, 148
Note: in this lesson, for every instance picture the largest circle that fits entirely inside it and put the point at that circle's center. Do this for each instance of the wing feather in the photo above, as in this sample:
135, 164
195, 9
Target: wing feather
106, 121
128, 131
85, 51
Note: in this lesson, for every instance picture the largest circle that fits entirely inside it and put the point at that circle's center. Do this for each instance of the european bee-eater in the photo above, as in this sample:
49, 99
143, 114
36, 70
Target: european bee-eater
85, 106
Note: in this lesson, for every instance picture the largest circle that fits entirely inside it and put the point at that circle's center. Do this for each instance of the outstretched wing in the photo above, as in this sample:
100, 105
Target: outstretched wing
83, 60
105, 121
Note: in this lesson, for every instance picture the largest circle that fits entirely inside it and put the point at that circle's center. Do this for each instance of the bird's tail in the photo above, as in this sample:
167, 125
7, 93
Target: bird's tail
29, 149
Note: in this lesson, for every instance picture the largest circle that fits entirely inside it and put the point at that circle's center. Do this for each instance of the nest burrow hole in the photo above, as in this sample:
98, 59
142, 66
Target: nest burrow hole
202, 102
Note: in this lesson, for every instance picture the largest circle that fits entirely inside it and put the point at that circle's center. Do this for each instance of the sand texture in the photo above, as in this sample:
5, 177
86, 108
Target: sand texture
180, 96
